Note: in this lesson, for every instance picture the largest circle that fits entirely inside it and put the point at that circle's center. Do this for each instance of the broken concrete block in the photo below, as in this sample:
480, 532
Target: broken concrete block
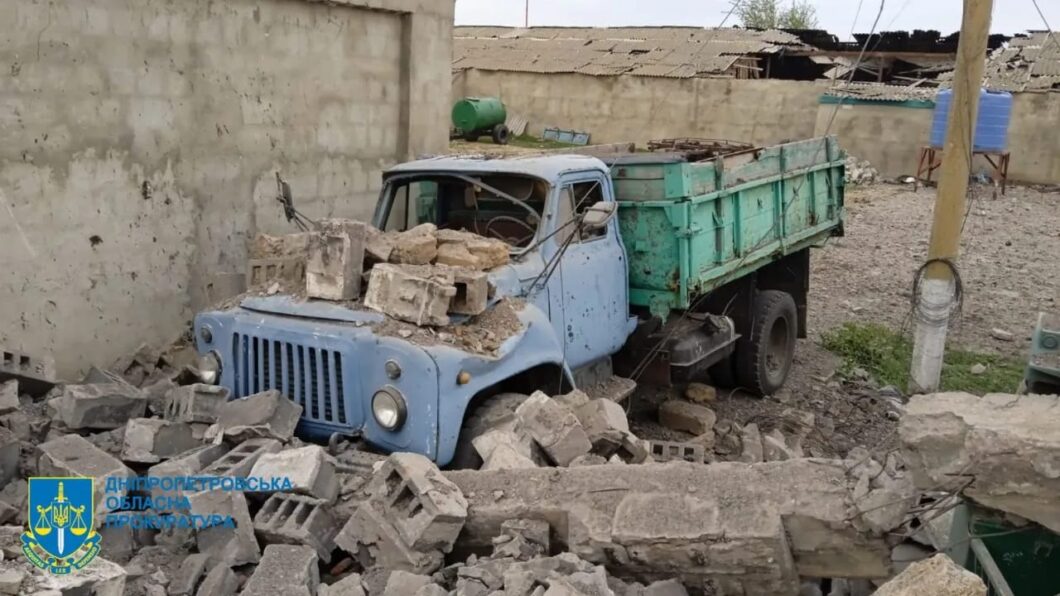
240, 460
403, 583
670, 587
522, 539
1009, 444
266, 246
554, 427
699, 393
233, 544
938, 576
347, 586
506, 457
296, 519
308, 469
285, 569
150, 440
602, 416
190, 463
263, 415
688, 417
431, 590
663, 451
573, 400
753, 452
8, 513
417, 295
288, 271
472, 292
9, 396
375, 543
427, 510
775, 447
10, 453
336, 260
11, 581
490, 252
101, 578
101, 406
220, 581
195, 403
456, 254
73, 455
503, 434
187, 577
36, 374
417, 246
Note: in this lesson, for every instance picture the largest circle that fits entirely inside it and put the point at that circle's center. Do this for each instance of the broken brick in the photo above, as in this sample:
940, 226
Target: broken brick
73, 455
150, 440
336, 260
36, 374
187, 578
241, 459
263, 415
688, 417
190, 463
554, 427
472, 292
308, 469
375, 543
427, 510
195, 403
220, 581
456, 254
417, 246
232, 545
289, 271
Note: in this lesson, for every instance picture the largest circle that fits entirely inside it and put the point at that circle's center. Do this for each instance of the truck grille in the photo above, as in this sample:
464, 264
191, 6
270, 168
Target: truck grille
308, 376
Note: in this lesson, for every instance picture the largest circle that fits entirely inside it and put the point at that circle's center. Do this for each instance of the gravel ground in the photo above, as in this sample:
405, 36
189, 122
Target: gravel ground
1010, 264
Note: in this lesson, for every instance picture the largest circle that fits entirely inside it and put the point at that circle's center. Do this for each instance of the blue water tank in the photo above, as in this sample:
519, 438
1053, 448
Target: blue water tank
991, 130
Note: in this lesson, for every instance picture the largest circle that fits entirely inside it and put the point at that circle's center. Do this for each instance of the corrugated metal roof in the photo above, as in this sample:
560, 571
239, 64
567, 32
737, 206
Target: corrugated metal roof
679, 52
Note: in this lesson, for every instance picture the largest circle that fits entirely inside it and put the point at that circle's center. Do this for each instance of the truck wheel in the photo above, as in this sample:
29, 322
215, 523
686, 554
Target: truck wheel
485, 416
471, 137
501, 134
763, 361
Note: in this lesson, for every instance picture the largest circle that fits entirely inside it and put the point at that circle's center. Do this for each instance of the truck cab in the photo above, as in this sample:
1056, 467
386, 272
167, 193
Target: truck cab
657, 266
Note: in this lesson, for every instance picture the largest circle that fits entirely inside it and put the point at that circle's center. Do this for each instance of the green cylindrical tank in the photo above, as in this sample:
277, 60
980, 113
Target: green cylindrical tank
478, 113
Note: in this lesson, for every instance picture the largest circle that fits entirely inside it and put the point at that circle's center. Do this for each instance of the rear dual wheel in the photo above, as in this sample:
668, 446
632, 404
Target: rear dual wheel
762, 358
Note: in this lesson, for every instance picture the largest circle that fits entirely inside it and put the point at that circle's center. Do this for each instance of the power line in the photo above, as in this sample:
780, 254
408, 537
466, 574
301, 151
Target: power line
856, 15
1046, 23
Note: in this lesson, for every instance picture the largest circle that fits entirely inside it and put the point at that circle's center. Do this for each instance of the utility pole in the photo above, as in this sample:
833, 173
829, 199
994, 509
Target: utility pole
526, 16
936, 299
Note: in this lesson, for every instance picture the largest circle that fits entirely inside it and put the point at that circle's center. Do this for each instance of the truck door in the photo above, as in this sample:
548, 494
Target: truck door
593, 275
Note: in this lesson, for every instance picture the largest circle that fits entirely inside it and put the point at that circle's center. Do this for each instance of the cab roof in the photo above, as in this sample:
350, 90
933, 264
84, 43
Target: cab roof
549, 167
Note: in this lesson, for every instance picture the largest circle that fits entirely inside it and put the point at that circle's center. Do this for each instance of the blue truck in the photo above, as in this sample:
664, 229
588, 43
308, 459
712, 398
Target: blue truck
659, 266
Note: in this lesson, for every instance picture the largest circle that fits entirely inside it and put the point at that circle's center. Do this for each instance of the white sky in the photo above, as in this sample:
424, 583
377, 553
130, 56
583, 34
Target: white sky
837, 16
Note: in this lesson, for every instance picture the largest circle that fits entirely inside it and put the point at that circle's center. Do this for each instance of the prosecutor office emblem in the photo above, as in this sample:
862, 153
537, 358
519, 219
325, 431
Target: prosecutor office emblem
60, 537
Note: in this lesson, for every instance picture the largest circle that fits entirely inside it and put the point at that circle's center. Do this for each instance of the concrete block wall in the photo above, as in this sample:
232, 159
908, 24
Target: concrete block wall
142, 137
887, 135
625, 108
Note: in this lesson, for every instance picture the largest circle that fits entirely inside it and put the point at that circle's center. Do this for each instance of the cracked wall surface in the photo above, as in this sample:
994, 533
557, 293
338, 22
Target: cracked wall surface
141, 141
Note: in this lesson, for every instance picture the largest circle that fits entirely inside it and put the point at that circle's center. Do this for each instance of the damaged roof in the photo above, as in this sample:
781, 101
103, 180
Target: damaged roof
673, 52
1029, 62
882, 92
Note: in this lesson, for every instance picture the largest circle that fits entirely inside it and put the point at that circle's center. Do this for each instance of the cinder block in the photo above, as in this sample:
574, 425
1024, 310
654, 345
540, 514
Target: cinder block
506, 457
285, 569
10, 452
266, 415
150, 440
375, 543
417, 246
418, 295
232, 545
35, 373
188, 575
73, 455
195, 403
427, 509
190, 463
554, 427
296, 519
289, 271
102, 406
220, 581
347, 586
308, 469
336, 260
241, 459
663, 451
401, 583
472, 292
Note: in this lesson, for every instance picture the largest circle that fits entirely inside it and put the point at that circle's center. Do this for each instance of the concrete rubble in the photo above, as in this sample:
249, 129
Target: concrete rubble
1002, 451
335, 260
938, 576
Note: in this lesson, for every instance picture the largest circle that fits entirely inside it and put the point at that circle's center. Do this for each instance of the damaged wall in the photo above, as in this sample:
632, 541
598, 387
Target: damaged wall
626, 108
141, 140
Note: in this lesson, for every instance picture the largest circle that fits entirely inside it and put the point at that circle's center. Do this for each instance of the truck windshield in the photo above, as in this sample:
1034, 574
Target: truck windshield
495, 206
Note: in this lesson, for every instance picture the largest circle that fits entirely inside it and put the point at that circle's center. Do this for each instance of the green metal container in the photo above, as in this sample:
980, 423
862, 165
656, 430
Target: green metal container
473, 114
692, 227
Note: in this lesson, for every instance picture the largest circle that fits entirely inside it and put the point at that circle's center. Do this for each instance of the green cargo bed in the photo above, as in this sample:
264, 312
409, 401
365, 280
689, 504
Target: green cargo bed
692, 227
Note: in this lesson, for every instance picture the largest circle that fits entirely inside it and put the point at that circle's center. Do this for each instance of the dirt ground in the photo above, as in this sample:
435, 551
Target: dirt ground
1010, 266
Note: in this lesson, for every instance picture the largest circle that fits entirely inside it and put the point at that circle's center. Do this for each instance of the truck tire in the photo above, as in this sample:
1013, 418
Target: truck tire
501, 134
764, 356
485, 416
471, 137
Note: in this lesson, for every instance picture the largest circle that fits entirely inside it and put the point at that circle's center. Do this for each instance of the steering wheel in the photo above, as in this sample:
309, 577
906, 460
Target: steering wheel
490, 233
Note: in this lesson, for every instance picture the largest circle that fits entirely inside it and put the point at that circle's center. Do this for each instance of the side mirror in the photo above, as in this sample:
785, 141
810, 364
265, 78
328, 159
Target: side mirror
599, 215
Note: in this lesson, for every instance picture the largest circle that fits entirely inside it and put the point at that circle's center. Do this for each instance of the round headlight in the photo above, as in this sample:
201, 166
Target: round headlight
388, 407
210, 368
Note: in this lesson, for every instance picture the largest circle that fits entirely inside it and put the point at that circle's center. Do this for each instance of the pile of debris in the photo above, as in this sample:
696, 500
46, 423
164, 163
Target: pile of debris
860, 172
419, 276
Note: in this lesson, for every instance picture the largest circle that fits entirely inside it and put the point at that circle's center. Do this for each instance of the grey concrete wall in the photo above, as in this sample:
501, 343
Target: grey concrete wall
141, 139
889, 136
1033, 139
625, 108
